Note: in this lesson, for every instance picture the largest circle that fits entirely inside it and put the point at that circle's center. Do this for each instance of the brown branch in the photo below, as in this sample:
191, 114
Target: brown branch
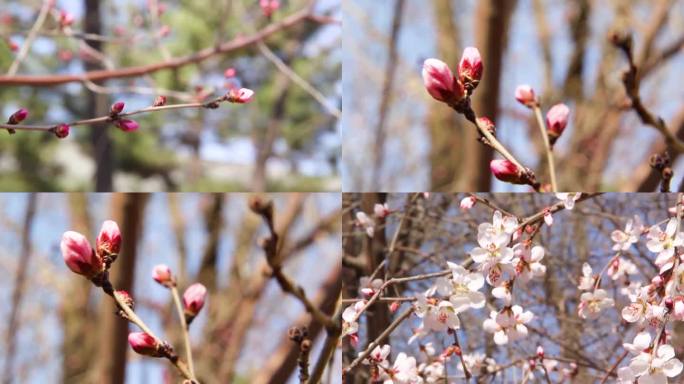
630, 79
230, 46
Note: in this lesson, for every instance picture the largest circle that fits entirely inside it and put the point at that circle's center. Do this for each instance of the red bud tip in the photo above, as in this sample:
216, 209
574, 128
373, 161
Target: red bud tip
193, 299
127, 125
162, 274
109, 239
505, 170
144, 344
62, 131
79, 255
118, 107
525, 95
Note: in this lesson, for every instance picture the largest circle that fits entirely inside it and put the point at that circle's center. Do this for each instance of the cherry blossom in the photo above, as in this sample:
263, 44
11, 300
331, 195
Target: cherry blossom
366, 223
350, 326
378, 356
433, 372
664, 242
624, 239
468, 202
462, 288
368, 287
620, 267
586, 281
527, 262
652, 368
381, 210
437, 317
508, 324
568, 199
591, 303
404, 371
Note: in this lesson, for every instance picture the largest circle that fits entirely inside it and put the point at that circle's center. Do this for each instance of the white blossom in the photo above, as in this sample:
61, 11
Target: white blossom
462, 288
508, 325
366, 223
664, 242
624, 239
568, 199
591, 303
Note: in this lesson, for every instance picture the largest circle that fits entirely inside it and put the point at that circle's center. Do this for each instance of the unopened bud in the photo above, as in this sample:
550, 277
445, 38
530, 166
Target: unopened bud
556, 121
505, 170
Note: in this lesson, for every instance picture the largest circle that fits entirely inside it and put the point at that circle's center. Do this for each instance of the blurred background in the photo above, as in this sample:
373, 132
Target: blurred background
398, 138
284, 140
59, 328
436, 230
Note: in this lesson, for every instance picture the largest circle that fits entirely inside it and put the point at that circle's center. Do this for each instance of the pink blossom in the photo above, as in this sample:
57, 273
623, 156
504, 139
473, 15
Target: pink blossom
505, 170
440, 82
127, 125
556, 121
470, 67
239, 96
159, 101
381, 210
109, 239
525, 95
468, 202
193, 299
79, 255
229, 72
144, 344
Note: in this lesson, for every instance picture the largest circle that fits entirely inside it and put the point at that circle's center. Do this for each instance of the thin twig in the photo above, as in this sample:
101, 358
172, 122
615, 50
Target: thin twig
547, 146
185, 329
33, 33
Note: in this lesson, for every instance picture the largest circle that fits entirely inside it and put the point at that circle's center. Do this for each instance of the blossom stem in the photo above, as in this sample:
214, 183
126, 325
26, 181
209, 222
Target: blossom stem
133, 318
547, 146
460, 356
103, 119
185, 329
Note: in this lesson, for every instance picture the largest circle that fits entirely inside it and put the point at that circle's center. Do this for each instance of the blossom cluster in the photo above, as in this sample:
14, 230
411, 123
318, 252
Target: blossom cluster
651, 304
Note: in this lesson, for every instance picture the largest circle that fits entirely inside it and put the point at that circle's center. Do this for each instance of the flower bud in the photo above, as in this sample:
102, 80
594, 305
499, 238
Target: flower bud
229, 72
540, 352
12, 45
657, 281
468, 202
117, 107
440, 82
394, 306
61, 131
487, 124
669, 304
556, 120
127, 125
193, 299
239, 96
470, 68
79, 255
125, 297
65, 18
525, 95
505, 170
269, 6
109, 239
159, 101
18, 116
162, 274
144, 344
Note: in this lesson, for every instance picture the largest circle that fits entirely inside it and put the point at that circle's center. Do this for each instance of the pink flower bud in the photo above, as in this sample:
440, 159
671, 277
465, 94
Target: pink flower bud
230, 72
487, 124
109, 239
193, 299
269, 6
65, 18
239, 96
159, 101
548, 218
125, 297
525, 95
79, 255
162, 274
62, 131
468, 202
127, 125
394, 306
12, 45
470, 68
440, 81
556, 120
657, 281
506, 171
18, 116
540, 352
144, 344
118, 107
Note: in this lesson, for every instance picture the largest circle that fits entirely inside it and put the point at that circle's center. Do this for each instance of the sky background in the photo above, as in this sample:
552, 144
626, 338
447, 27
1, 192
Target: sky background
48, 273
